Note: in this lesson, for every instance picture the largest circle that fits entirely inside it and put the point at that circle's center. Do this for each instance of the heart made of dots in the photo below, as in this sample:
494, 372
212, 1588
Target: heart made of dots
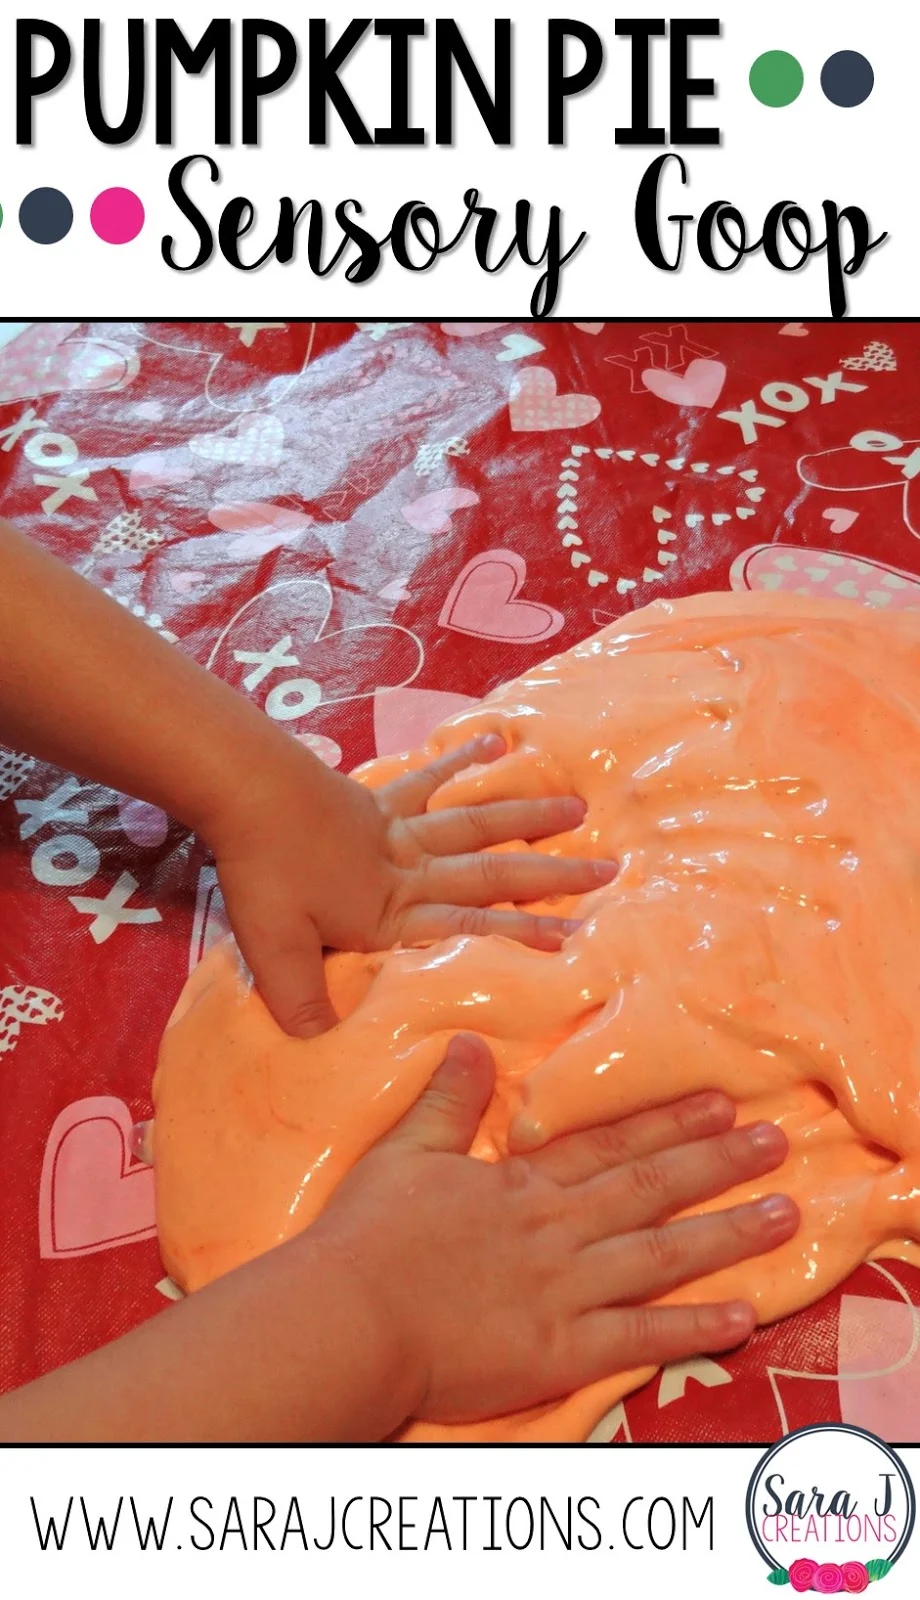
567, 507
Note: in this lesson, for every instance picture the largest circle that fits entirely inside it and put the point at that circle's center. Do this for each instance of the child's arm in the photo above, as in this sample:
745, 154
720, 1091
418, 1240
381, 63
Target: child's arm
306, 856
439, 1287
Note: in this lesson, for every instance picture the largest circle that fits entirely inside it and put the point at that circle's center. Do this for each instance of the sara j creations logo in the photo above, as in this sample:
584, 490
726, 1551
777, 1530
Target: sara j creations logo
830, 1508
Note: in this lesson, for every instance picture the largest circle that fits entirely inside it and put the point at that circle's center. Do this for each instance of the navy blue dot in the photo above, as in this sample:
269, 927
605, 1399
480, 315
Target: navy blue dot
46, 216
847, 78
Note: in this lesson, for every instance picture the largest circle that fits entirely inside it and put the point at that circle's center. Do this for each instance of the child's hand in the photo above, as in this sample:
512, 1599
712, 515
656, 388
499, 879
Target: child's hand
306, 857
439, 1287
319, 860
498, 1287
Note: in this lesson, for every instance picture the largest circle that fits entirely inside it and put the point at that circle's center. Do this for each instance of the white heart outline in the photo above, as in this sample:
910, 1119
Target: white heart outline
214, 360
907, 445
361, 627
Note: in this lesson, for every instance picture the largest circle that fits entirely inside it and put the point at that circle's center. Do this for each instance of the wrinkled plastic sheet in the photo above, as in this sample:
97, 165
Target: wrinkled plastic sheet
422, 511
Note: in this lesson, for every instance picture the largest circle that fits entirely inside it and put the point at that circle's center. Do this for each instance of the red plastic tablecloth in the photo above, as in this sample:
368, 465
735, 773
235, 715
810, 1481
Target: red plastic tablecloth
416, 512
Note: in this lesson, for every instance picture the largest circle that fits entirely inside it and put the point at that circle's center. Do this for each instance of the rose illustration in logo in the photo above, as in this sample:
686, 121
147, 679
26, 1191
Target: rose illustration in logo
828, 1579
802, 1574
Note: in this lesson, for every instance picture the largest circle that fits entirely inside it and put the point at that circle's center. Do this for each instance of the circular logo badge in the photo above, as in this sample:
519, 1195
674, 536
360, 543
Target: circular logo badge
830, 1509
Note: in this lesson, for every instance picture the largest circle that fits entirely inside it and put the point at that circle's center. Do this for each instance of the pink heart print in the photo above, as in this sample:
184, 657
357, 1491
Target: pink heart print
839, 519
257, 440
792, 569
536, 407
876, 357
22, 1005
483, 602
49, 358
590, 327
260, 528
92, 1195
160, 469
432, 513
700, 385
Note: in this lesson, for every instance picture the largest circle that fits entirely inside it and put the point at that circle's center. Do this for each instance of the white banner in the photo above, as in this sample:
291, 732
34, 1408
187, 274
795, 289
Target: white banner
450, 1521
525, 159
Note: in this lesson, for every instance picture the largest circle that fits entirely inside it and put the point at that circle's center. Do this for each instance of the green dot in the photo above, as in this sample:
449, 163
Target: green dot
776, 78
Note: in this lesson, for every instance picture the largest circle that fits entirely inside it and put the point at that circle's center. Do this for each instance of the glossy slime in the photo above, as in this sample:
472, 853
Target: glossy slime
753, 761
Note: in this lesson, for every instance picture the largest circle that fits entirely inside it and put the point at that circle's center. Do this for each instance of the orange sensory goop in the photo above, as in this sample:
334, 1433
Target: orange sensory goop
753, 761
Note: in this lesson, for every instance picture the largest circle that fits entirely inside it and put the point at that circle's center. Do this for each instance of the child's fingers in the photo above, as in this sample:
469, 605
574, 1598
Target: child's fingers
447, 1114
658, 1186
486, 880
409, 795
287, 966
647, 1265
425, 924
469, 828
577, 1157
651, 1336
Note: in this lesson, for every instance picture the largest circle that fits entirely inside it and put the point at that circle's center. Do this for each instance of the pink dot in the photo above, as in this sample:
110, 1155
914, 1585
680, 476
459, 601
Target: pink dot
117, 216
144, 824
